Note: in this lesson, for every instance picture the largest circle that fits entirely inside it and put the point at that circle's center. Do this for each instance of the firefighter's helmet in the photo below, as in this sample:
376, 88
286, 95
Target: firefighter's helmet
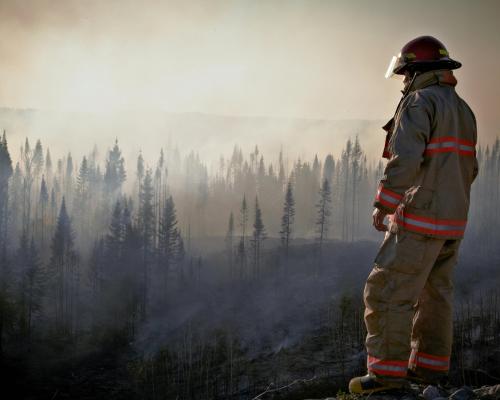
424, 53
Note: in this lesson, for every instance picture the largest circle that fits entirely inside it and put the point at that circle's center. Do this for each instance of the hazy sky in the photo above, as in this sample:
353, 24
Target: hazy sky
318, 59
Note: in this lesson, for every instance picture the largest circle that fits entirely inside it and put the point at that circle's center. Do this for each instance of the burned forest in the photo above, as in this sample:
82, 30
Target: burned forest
172, 277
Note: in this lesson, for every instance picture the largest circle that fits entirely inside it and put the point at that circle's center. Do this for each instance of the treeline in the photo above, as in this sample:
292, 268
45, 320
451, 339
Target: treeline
82, 251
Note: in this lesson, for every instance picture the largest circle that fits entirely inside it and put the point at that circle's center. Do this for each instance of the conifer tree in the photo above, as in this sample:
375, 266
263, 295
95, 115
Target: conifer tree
30, 284
346, 164
5, 175
287, 220
114, 240
258, 237
168, 236
44, 203
329, 168
68, 180
82, 199
115, 175
97, 264
281, 172
242, 253
48, 167
38, 161
140, 172
356, 155
15, 201
64, 274
131, 279
323, 212
230, 243
146, 227
27, 161
180, 259
316, 170
53, 207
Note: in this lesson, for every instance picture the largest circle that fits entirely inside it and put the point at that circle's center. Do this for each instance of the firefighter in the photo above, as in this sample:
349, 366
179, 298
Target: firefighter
425, 193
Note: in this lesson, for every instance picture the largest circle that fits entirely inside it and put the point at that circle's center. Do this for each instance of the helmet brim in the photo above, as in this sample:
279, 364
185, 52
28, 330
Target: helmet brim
444, 63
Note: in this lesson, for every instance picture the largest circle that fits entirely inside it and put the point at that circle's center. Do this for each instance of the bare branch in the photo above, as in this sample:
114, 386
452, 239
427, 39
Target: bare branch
269, 390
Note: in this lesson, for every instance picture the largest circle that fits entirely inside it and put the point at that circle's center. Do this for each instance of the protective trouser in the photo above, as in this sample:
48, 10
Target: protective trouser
408, 298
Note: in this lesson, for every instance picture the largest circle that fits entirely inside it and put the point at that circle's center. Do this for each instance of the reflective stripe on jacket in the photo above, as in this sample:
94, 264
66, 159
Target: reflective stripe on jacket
432, 163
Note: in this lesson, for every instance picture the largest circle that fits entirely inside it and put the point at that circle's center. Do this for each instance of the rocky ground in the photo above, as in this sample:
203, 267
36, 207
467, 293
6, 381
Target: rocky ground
417, 392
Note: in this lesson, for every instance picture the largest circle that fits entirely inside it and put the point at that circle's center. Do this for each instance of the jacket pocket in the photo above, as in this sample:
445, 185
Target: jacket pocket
419, 198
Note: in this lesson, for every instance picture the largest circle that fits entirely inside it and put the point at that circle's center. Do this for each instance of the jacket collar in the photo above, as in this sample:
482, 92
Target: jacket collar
438, 77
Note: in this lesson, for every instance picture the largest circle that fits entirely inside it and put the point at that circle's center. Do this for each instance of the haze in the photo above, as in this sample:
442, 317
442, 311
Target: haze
294, 59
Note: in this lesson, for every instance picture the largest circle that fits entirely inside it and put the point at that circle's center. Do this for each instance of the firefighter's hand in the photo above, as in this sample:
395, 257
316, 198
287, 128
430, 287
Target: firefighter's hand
378, 220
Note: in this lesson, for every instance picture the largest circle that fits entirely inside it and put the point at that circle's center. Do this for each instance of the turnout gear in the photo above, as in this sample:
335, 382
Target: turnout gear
409, 298
421, 54
432, 161
426, 191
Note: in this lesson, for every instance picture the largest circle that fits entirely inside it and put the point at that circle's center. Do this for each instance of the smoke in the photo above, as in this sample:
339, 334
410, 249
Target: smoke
318, 60
268, 314
210, 136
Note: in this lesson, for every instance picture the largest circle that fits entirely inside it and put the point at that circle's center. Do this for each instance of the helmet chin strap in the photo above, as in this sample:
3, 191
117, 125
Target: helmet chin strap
408, 86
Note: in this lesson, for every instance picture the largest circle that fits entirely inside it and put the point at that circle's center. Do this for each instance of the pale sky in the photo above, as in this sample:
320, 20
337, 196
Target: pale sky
312, 59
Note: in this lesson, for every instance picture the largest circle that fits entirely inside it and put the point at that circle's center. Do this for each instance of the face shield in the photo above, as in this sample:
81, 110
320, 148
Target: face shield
396, 61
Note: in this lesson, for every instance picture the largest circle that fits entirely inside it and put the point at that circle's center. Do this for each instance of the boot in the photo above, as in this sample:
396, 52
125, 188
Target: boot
368, 384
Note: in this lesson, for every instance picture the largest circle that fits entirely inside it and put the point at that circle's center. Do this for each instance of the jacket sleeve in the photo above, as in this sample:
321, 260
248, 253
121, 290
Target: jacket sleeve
411, 133
475, 171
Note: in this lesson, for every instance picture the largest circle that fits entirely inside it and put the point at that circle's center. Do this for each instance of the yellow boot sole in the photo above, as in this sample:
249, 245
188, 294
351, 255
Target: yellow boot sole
368, 385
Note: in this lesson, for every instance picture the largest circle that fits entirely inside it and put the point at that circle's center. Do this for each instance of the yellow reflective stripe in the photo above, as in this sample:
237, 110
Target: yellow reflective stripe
443, 52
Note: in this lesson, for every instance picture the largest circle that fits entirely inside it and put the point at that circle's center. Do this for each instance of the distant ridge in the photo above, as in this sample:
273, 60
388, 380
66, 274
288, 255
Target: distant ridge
210, 135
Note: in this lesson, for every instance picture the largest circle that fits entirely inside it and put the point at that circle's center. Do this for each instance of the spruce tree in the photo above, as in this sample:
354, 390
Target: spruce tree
181, 253
258, 237
53, 207
97, 264
38, 159
356, 156
230, 243
30, 284
316, 170
114, 240
48, 167
287, 220
140, 172
146, 226
27, 161
281, 172
167, 240
346, 178
5, 175
15, 203
44, 203
68, 180
329, 168
242, 253
323, 212
63, 275
115, 175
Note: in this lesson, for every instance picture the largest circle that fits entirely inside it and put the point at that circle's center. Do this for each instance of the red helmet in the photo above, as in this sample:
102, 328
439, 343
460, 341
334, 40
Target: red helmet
424, 53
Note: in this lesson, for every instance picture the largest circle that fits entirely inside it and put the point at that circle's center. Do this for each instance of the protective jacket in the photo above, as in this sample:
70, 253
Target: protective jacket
432, 159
